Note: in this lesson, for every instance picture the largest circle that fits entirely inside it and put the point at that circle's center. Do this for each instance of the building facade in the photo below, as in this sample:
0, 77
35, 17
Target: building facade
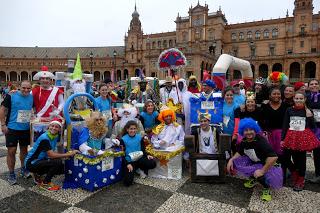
290, 44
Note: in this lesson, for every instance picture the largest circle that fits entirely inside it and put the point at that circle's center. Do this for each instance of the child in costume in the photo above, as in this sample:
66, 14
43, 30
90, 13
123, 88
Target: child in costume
126, 113
43, 159
206, 136
297, 139
135, 155
92, 139
255, 160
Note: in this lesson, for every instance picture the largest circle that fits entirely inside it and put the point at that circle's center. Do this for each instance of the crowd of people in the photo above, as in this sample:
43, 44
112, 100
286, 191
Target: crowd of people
272, 125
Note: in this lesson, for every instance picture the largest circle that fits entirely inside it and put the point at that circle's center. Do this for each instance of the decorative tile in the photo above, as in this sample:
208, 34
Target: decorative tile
28, 201
286, 200
119, 198
186, 203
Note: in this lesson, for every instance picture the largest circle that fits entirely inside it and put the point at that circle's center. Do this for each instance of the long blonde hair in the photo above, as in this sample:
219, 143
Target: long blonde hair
95, 130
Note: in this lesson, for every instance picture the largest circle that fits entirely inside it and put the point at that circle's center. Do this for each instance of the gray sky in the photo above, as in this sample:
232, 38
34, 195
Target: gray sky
84, 23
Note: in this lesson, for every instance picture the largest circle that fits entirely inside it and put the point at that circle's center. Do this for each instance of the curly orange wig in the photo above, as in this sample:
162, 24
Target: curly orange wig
165, 113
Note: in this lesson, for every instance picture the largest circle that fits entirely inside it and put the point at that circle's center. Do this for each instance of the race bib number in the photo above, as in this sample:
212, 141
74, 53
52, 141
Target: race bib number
107, 164
316, 114
107, 114
297, 123
226, 120
207, 105
23, 116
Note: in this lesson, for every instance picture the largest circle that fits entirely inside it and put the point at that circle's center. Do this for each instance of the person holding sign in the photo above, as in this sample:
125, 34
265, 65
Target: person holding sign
15, 114
313, 102
297, 139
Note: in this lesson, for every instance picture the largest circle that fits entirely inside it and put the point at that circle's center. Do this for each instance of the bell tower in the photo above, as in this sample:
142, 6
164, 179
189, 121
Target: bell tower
134, 39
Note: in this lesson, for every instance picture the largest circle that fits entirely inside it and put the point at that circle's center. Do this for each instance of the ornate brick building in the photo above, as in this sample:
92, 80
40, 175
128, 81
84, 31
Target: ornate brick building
290, 44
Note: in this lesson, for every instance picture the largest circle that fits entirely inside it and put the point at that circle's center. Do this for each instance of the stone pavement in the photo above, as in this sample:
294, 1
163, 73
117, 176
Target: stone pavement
153, 195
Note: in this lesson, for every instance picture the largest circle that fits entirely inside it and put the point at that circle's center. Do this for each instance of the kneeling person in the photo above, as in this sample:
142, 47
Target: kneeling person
256, 159
42, 159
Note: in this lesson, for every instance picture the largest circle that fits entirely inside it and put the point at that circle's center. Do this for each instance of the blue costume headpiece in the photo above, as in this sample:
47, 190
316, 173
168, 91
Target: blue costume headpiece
210, 83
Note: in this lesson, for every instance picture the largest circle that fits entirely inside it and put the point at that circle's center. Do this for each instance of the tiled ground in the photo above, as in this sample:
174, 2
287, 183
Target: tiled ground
154, 195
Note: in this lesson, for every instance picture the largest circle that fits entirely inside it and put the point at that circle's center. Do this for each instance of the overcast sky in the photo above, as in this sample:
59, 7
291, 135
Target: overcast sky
84, 23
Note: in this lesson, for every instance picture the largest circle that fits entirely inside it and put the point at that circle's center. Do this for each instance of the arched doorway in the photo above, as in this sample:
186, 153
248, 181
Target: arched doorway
310, 71
96, 76
263, 70
33, 73
137, 72
236, 75
125, 74
107, 75
277, 67
253, 70
24, 76
119, 75
13, 76
294, 72
3, 76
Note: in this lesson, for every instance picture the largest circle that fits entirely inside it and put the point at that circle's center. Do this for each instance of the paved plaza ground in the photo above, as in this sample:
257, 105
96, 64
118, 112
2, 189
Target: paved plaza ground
153, 195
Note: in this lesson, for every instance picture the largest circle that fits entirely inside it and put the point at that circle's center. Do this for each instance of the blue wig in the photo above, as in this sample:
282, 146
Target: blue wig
248, 123
210, 83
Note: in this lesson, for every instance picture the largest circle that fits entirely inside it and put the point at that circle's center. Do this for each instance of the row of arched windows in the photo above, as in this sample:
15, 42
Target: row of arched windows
257, 34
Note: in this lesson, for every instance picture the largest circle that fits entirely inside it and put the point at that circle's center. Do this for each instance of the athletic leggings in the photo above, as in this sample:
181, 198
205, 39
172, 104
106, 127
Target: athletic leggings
50, 167
299, 161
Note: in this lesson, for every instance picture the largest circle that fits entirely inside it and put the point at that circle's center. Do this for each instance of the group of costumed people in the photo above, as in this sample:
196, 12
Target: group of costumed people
272, 125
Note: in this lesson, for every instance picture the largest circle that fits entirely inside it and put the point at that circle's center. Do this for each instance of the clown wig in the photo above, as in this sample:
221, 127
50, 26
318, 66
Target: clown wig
165, 113
278, 76
248, 123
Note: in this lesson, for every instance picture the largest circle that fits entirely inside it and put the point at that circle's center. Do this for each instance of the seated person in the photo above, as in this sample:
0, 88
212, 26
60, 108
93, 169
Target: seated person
43, 159
206, 136
149, 116
92, 139
255, 159
168, 135
126, 113
135, 155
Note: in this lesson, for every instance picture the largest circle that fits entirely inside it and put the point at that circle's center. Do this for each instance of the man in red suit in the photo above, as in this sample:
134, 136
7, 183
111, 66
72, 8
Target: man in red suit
48, 100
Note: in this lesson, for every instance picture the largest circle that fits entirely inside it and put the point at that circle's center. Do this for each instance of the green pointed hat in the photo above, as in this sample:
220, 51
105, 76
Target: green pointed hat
77, 72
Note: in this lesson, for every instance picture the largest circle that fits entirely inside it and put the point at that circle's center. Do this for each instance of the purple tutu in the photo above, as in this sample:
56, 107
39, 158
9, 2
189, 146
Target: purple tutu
246, 168
274, 138
317, 132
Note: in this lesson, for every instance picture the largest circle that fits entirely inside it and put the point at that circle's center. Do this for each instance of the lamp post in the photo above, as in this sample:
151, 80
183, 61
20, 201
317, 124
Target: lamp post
91, 63
114, 58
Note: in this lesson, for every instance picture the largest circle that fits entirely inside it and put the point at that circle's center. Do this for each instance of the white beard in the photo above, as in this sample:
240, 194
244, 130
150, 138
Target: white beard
79, 88
124, 120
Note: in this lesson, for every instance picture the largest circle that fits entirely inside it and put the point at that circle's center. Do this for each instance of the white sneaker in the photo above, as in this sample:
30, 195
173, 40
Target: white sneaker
141, 173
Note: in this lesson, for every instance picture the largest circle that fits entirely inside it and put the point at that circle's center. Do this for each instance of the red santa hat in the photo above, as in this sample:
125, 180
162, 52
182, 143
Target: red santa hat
57, 121
44, 73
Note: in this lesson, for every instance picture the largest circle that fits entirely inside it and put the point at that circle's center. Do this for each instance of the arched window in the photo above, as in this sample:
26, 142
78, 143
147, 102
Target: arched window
266, 34
274, 33
249, 35
153, 45
159, 44
241, 36
258, 34
233, 36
